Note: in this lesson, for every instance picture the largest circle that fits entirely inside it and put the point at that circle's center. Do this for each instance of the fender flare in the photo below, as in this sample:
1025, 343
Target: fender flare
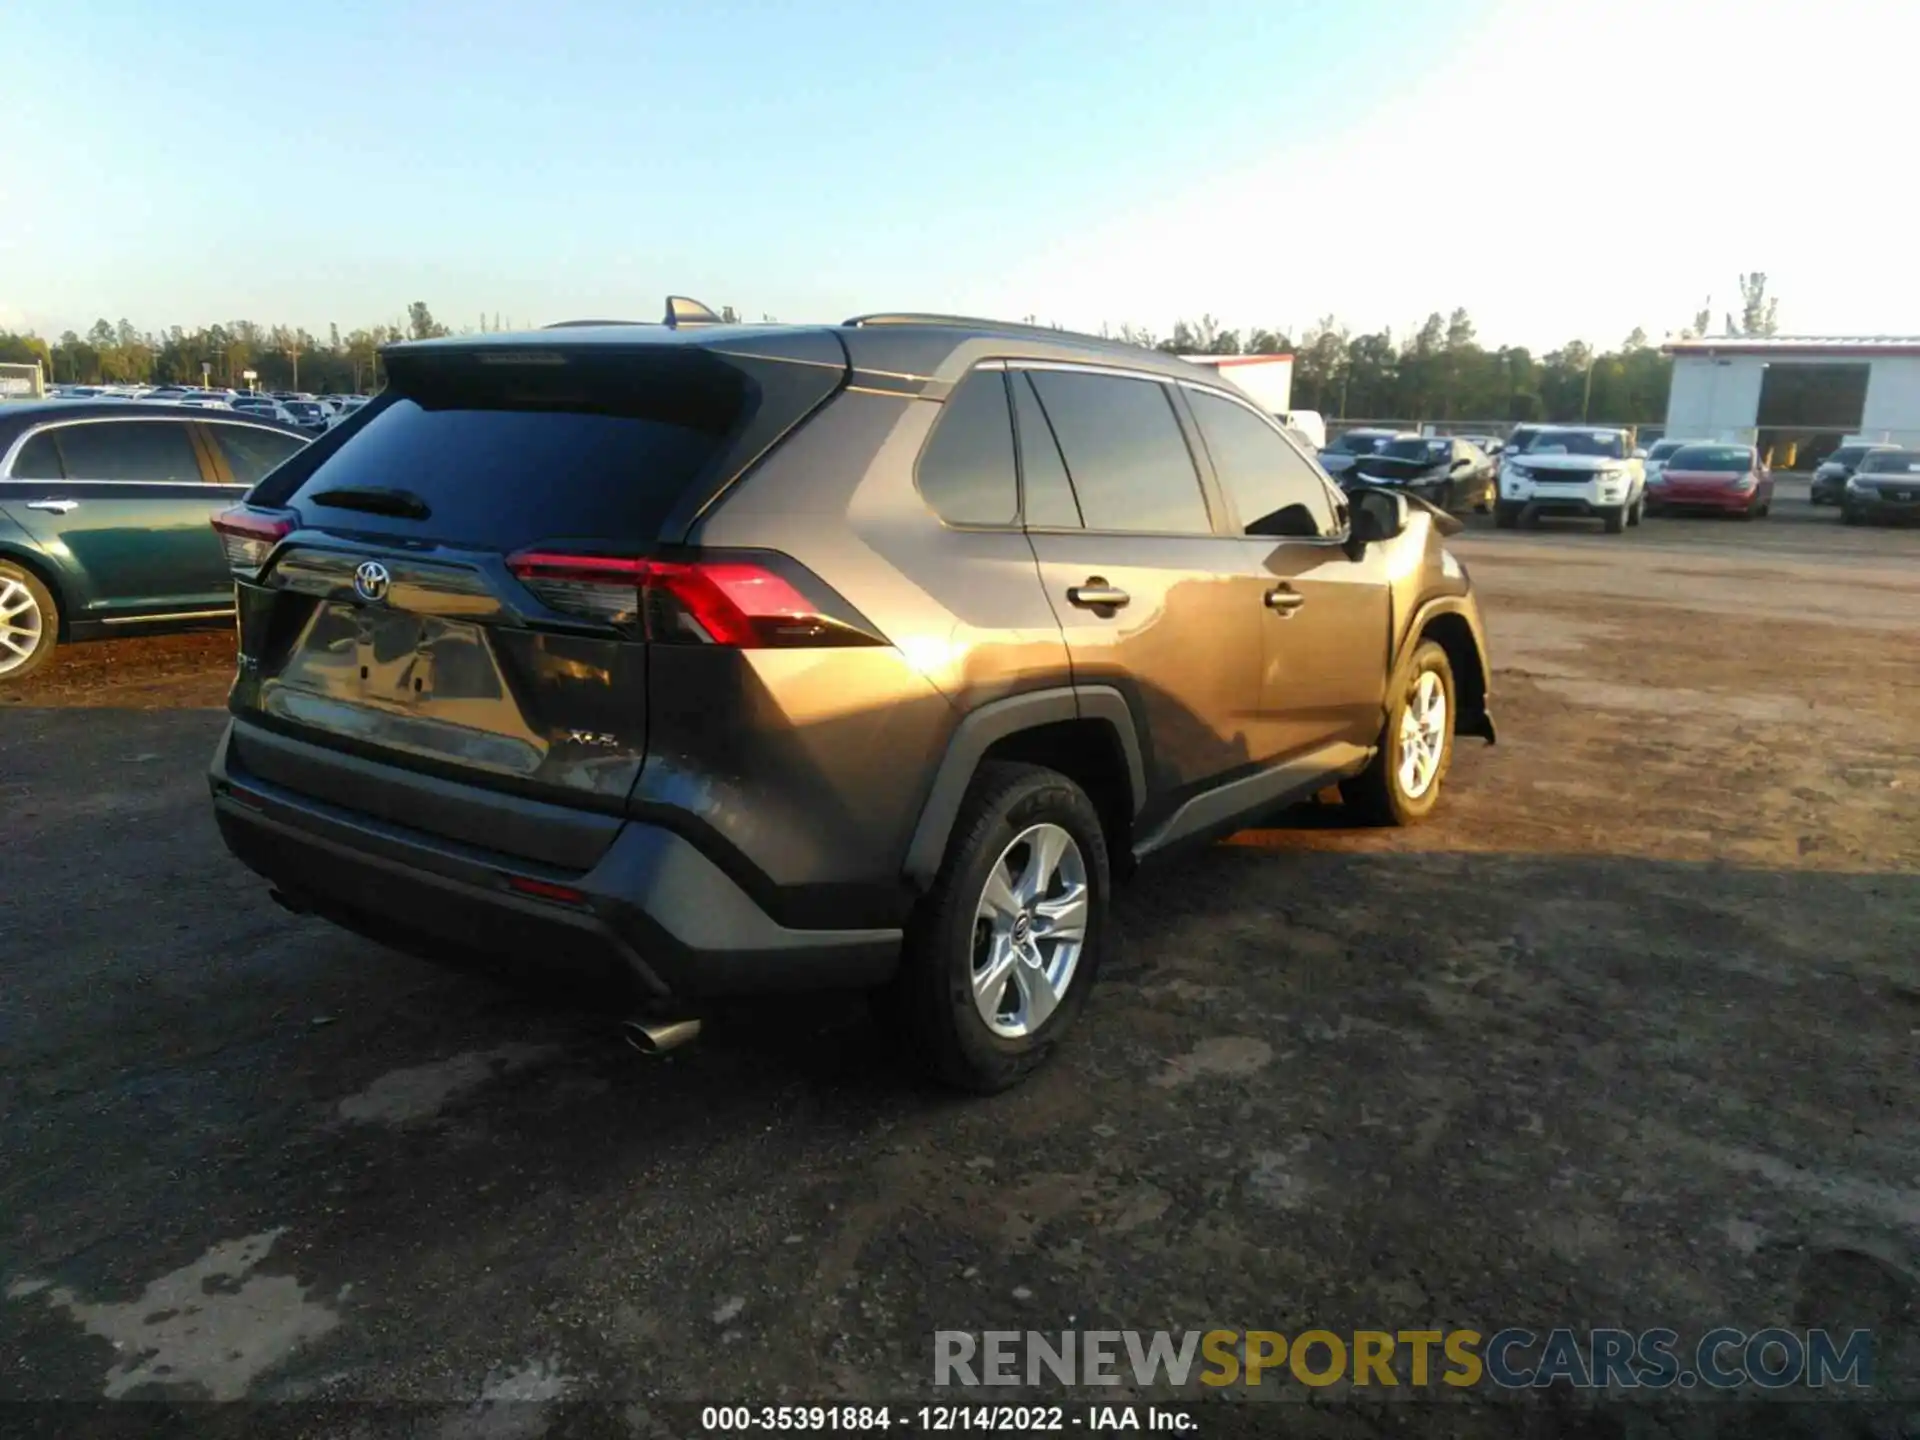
980, 729
1425, 614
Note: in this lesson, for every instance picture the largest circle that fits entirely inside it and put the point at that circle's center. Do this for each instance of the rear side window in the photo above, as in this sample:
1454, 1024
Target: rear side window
593, 449
1124, 452
1274, 490
966, 472
39, 459
251, 452
155, 450
1046, 493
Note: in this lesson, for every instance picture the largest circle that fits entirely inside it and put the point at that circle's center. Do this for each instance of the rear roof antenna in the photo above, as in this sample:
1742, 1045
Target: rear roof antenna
682, 312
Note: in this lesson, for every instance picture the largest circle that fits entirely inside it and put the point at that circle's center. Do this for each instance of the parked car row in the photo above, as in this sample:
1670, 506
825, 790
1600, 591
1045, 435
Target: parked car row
315, 413
1619, 483
1869, 482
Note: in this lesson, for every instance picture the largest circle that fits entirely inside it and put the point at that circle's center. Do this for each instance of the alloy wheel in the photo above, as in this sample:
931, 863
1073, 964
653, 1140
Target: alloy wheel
21, 624
1029, 930
1423, 735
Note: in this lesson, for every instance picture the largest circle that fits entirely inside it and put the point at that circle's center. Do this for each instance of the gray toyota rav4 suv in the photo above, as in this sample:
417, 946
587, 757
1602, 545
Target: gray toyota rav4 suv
727, 659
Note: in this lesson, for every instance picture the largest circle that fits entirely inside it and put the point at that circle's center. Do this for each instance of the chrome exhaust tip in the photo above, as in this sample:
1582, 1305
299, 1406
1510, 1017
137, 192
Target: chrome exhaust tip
657, 1037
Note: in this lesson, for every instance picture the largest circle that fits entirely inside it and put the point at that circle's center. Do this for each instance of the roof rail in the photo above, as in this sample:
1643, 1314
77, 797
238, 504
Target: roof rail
682, 312
974, 322
576, 324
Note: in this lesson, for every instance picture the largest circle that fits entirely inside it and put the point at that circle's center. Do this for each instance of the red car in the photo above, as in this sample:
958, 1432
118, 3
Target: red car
1726, 478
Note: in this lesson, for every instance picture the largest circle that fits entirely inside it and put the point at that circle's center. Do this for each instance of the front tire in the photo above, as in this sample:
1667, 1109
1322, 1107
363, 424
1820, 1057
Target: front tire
1002, 950
1637, 511
1614, 520
29, 623
1401, 786
1506, 516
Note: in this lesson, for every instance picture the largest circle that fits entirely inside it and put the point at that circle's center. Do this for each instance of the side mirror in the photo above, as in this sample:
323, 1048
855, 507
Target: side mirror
1376, 515
1462, 463
1639, 454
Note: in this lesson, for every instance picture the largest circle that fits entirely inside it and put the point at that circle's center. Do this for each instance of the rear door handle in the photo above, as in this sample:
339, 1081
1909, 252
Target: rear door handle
1284, 600
57, 507
1096, 594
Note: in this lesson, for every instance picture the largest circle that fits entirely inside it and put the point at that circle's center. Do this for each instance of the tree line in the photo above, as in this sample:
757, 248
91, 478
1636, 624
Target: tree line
1439, 372
1443, 372
282, 357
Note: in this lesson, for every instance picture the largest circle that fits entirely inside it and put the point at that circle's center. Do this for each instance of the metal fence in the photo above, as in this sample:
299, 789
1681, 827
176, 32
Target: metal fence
1498, 429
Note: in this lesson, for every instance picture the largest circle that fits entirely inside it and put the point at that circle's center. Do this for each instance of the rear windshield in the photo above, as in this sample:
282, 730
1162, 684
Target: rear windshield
1849, 454
502, 455
1732, 458
1610, 444
1883, 462
1663, 448
1355, 444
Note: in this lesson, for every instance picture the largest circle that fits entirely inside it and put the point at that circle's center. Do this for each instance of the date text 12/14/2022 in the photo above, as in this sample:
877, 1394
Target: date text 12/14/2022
941, 1419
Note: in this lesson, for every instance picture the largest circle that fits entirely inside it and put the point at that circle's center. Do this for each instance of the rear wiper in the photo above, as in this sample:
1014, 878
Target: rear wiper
375, 501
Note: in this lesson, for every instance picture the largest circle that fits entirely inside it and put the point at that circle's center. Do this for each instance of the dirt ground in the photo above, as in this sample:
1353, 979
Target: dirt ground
1627, 1036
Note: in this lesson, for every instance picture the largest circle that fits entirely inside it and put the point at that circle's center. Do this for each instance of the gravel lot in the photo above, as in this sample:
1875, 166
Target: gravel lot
1626, 1036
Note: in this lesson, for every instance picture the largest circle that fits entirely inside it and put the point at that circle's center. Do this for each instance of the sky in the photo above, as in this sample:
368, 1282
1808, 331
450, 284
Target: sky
1562, 170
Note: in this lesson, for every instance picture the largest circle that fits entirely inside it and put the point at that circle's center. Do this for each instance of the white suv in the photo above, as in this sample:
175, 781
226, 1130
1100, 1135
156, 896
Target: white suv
1573, 470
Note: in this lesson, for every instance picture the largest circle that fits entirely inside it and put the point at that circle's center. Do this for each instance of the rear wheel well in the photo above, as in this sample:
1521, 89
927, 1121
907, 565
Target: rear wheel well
1454, 635
1088, 753
47, 576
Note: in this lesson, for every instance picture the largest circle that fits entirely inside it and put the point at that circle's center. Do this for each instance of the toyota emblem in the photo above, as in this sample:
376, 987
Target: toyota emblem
371, 580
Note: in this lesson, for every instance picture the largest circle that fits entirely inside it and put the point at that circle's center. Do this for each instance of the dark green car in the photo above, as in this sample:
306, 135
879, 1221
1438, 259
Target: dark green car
104, 510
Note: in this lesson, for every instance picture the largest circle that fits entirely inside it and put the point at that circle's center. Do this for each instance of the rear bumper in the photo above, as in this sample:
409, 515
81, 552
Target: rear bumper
652, 910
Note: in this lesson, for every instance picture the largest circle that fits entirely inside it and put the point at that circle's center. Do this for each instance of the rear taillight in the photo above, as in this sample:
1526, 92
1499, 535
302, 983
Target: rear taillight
249, 535
598, 587
745, 603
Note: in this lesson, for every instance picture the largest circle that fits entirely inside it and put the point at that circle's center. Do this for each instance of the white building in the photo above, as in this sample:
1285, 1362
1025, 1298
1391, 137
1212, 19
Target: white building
1266, 379
1794, 390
